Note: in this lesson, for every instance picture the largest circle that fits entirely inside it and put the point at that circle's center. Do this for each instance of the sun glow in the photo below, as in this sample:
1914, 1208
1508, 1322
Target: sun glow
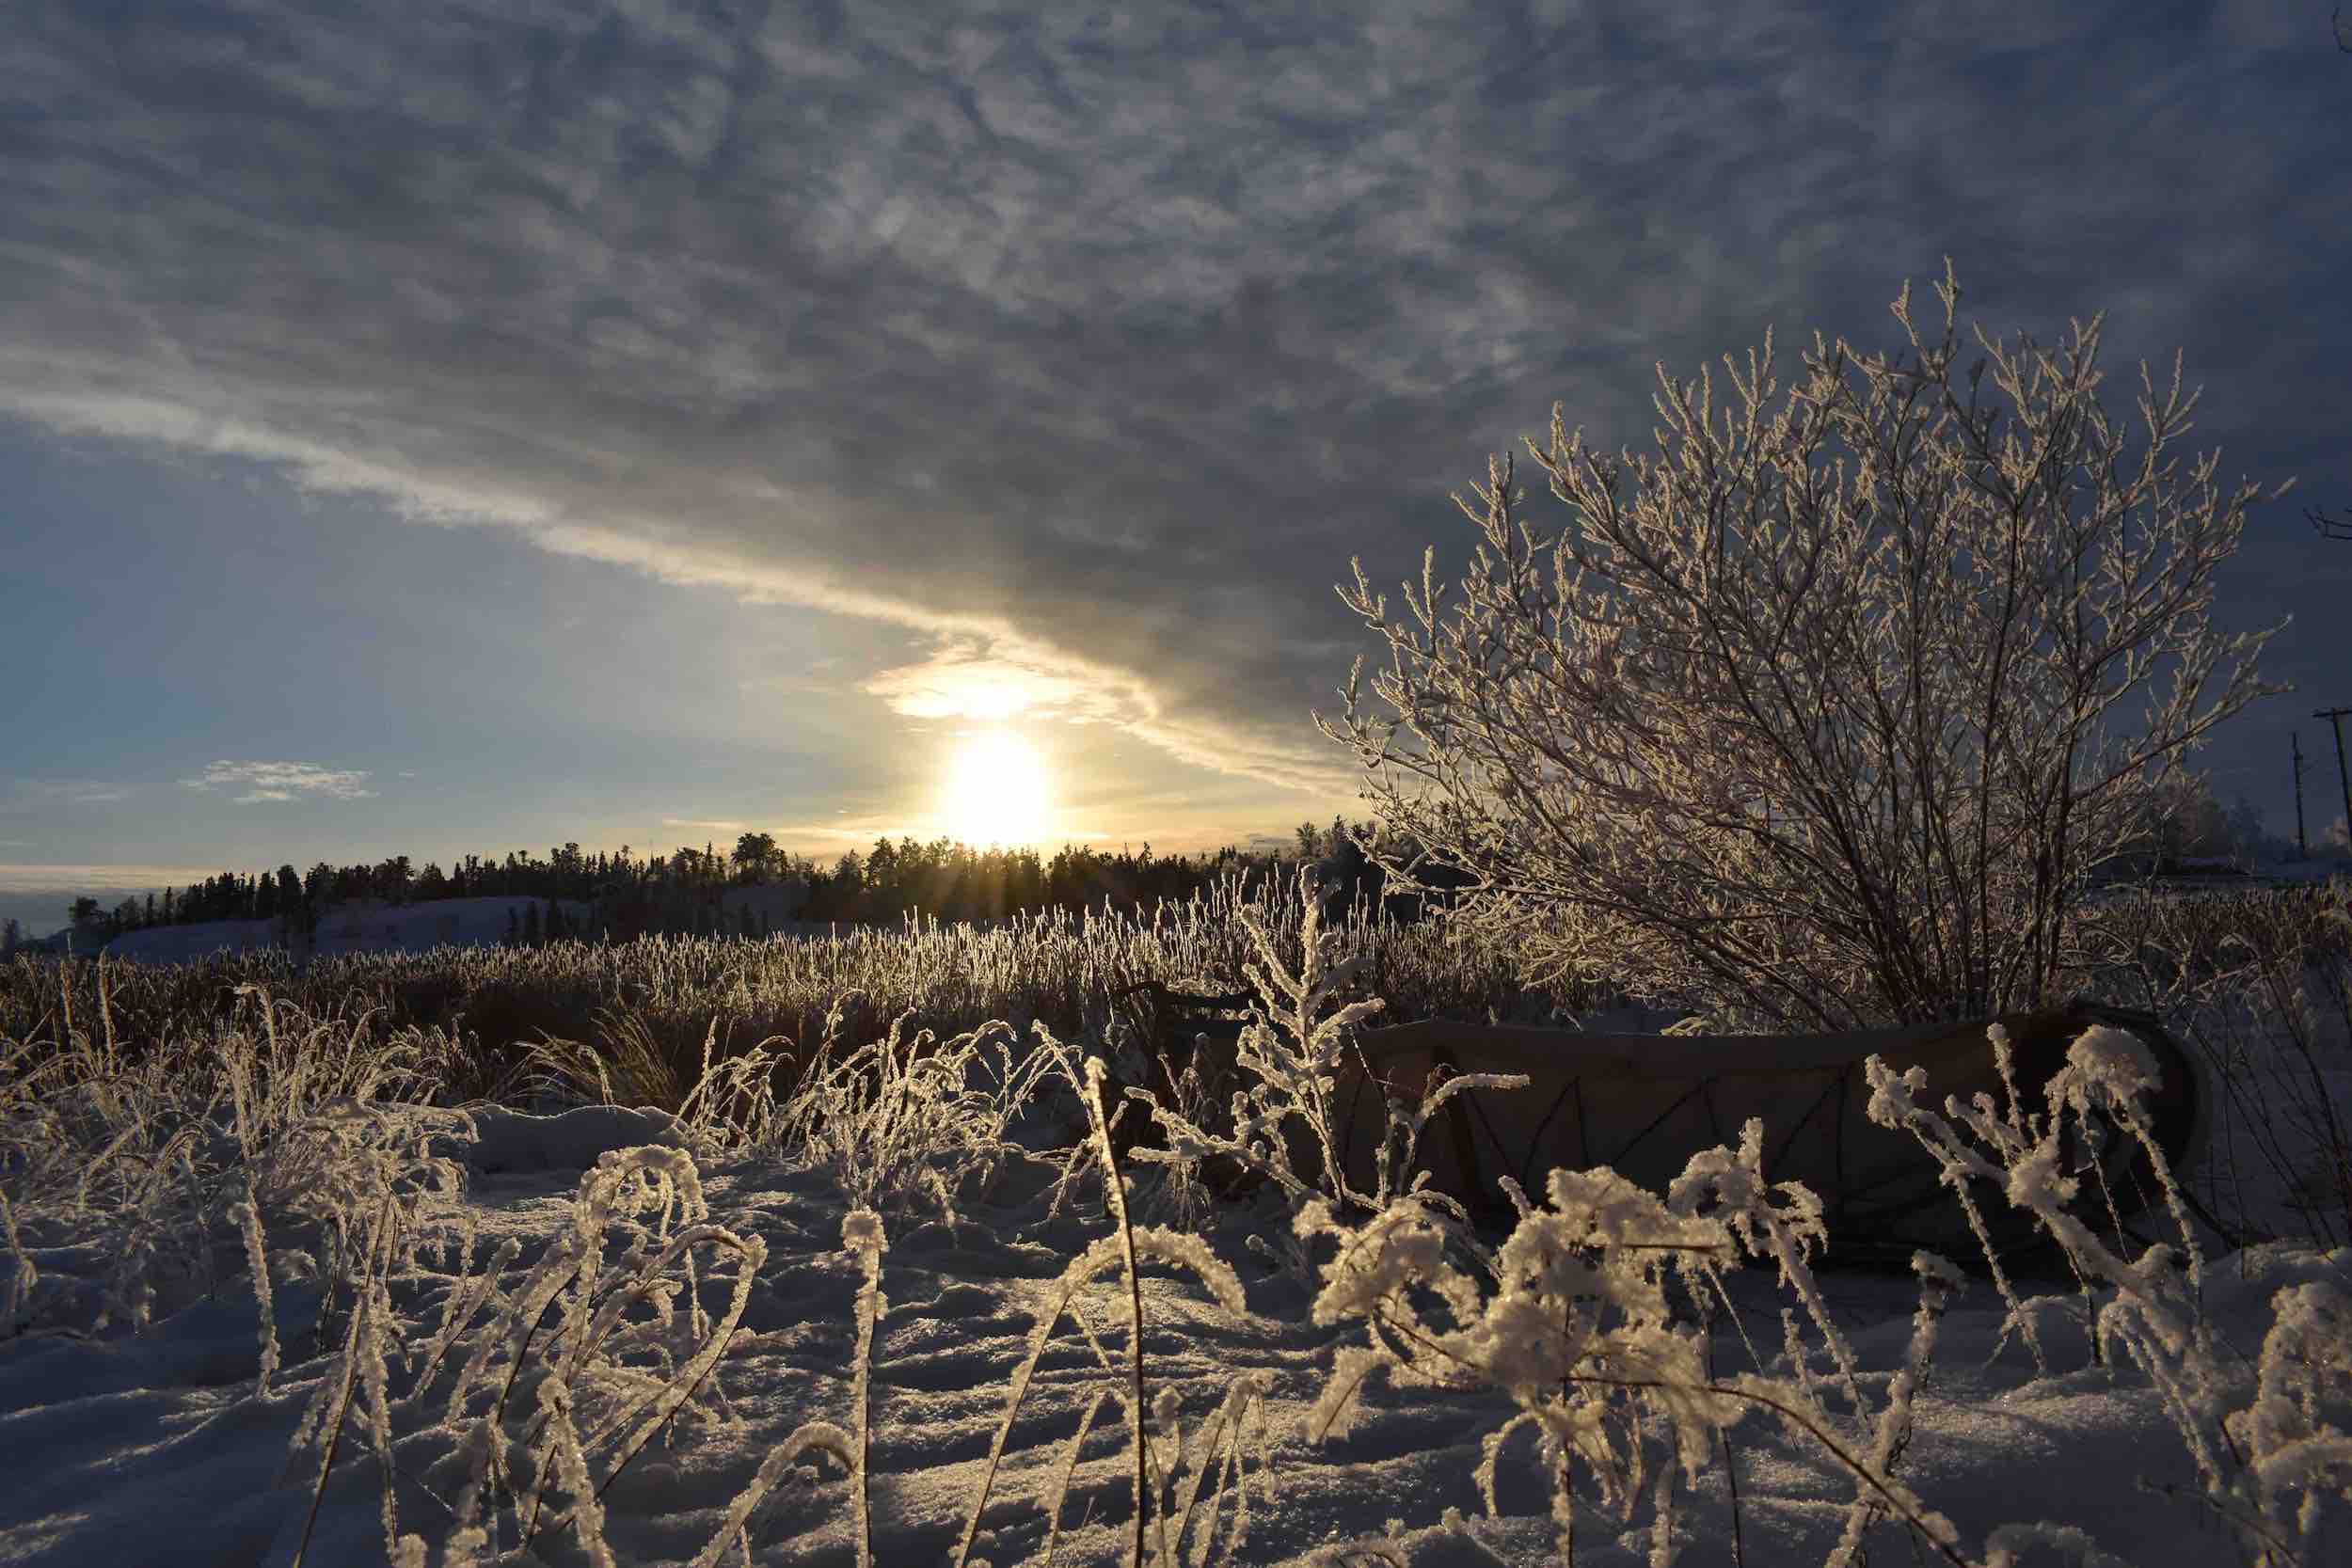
998, 791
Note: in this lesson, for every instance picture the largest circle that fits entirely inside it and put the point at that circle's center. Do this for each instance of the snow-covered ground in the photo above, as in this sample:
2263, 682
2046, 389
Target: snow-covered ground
364, 927
155, 1449
160, 1446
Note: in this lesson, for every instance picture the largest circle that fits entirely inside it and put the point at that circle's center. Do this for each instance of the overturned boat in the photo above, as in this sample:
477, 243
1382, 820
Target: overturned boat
1643, 1104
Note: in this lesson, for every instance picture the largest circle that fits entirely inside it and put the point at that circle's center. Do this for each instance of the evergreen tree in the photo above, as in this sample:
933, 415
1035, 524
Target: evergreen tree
755, 858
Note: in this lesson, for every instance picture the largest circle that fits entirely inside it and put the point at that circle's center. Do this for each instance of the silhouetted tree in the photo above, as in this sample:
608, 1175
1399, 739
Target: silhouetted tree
756, 857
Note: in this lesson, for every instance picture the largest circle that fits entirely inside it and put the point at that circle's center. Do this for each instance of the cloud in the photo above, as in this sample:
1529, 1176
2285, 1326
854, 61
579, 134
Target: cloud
852, 832
284, 781
806, 683
1090, 348
25, 794
963, 681
712, 824
24, 877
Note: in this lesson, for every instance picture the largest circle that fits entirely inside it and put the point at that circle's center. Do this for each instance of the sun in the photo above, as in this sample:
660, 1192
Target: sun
998, 791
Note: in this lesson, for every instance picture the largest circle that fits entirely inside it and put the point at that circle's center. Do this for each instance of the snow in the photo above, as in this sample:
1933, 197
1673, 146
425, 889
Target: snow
573, 1140
577, 1284
155, 1448
366, 926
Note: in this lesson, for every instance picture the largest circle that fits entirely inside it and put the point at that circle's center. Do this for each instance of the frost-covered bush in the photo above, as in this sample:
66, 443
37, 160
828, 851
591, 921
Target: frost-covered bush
1814, 727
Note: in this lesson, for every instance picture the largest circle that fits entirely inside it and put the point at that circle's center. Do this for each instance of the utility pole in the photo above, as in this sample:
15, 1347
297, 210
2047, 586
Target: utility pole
2302, 849
2335, 717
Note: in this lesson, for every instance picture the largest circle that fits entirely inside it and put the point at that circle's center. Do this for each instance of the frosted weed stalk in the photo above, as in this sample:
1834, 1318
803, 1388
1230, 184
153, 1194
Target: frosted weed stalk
1157, 1500
897, 1119
158, 1157
1569, 1316
2281, 1447
554, 1387
535, 1390
1573, 1323
862, 1234
2260, 986
1287, 1122
622, 1349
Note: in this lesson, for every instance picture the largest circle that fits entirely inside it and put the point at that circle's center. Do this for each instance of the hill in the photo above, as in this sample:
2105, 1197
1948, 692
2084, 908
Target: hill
367, 925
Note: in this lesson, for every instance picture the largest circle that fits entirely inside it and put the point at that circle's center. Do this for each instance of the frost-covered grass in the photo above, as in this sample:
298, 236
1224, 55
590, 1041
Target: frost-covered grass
272, 1297
646, 1009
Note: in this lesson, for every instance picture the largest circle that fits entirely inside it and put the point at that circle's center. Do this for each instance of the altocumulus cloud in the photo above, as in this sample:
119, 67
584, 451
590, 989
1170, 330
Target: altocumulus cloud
284, 781
1088, 341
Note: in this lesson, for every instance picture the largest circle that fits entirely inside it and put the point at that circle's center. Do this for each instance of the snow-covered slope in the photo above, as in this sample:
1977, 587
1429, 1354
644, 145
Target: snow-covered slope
365, 926
173, 944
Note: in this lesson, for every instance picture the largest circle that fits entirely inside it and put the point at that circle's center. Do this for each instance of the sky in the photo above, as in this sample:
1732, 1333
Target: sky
446, 428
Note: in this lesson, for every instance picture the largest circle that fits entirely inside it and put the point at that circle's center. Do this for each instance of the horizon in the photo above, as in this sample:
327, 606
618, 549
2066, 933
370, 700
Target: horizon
430, 423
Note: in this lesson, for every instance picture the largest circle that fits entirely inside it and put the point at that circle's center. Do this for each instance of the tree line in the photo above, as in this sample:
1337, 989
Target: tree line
686, 891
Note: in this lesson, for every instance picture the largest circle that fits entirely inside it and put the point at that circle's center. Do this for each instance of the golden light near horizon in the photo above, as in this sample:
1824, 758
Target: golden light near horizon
998, 790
